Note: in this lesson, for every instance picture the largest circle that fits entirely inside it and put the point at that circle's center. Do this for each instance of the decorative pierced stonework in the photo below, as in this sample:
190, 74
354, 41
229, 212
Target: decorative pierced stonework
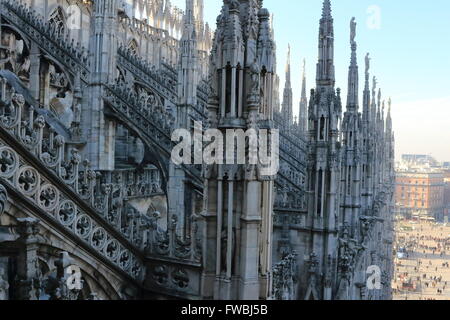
9, 162
46, 36
112, 249
48, 197
98, 238
160, 275
83, 226
27, 180
180, 278
124, 260
67, 213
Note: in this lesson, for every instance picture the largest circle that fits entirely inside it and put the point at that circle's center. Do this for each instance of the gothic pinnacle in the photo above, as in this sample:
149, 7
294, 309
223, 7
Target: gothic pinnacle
287, 94
326, 10
189, 21
352, 98
288, 67
303, 92
303, 110
389, 117
325, 67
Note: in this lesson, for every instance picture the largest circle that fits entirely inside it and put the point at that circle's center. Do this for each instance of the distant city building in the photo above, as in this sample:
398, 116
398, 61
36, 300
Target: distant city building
418, 158
446, 192
418, 162
420, 193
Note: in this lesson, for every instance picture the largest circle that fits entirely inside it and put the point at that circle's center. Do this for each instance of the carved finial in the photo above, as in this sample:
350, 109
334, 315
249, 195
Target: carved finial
326, 10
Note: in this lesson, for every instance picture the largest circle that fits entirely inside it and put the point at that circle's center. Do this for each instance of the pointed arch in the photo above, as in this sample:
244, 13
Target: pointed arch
133, 46
58, 20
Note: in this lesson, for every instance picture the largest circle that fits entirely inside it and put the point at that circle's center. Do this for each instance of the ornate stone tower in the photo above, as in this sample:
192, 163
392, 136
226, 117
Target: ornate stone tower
323, 160
104, 39
390, 145
351, 138
238, 198
188, 73
350, 189
367, 167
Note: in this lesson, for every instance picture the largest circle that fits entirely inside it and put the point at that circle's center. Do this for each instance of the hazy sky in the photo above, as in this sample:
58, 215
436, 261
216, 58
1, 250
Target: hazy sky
409, 42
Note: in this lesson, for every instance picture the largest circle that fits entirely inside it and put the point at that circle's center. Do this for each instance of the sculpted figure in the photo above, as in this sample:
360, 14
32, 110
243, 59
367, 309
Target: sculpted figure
367, 63
254, 70
352, 30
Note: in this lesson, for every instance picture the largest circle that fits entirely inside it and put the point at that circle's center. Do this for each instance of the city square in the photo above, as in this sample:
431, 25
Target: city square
422, 264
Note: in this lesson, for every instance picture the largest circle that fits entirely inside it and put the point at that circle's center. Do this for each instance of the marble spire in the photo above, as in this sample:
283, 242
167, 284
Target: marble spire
353, 79
325, 67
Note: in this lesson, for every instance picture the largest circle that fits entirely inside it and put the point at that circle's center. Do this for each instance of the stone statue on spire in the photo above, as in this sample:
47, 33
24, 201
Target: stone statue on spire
367, 63
352, 30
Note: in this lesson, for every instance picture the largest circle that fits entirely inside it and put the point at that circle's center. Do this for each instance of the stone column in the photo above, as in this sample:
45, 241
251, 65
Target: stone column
29, 281
249, 246
176, 196
35, 65
103, 48
210, 282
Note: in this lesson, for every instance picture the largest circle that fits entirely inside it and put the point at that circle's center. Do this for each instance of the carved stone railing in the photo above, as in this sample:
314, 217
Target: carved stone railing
203, 91
174, 264
111, 195
289, 195
148, 74
169, 71
153, 124
292, 220
135, 184
169, 245
84, 202
144, 28
73, 56
292, 145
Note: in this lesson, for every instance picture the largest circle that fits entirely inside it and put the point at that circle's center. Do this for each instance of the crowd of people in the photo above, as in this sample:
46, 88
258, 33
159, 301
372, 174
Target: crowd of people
423, 268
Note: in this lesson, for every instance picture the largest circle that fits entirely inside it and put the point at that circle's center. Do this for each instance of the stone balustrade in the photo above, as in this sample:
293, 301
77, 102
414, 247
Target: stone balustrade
72, 55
